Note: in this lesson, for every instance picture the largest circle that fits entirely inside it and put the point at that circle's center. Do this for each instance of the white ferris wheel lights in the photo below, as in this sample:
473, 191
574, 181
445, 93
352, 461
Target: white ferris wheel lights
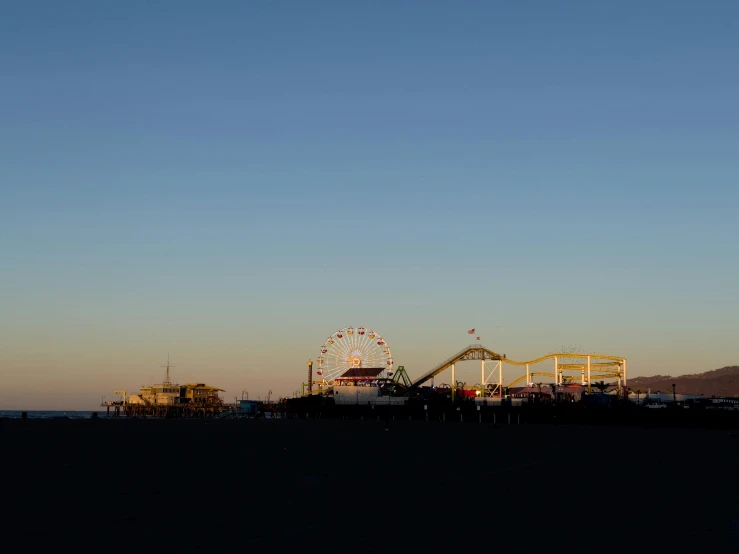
353, 347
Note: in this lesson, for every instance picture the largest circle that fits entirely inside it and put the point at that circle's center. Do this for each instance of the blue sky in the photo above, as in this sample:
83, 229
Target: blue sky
230, 182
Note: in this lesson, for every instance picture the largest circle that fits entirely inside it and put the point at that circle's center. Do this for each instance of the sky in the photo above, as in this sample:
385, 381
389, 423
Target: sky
229, 183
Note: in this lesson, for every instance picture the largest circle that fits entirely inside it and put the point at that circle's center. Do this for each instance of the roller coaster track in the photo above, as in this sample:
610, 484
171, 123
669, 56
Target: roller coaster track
478, 352
464, 354
545, 374
593, 367
532, 374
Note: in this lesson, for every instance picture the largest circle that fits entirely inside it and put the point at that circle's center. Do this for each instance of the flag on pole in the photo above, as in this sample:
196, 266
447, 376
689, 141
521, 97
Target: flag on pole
470, 331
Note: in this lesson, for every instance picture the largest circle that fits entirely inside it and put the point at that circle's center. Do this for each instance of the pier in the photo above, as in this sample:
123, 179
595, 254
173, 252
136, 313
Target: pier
119, 409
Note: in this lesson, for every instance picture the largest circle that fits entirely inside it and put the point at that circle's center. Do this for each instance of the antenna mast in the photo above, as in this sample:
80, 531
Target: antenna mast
166, 378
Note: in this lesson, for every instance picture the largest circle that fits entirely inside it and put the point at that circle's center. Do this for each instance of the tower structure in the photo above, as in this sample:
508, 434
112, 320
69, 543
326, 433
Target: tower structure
166, 375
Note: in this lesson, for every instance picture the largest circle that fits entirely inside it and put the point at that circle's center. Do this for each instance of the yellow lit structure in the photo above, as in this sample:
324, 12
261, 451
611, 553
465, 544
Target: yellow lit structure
199, 393
607, 367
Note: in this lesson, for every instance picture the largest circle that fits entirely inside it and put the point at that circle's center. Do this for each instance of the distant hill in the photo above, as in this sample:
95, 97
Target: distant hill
719, 382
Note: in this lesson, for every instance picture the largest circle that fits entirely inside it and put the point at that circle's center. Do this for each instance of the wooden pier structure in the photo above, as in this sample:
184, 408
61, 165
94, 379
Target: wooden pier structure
119, 409
192, 410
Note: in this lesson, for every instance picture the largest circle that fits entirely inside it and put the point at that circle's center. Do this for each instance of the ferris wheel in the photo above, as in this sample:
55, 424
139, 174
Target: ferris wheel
353, 347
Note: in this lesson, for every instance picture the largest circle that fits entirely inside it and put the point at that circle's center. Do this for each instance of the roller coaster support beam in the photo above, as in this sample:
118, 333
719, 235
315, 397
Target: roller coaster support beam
557, 376
589, 390
528, 376
490, 379
500, 378
454, 383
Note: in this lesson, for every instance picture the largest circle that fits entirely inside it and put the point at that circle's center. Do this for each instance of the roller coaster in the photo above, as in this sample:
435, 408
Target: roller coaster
606, 367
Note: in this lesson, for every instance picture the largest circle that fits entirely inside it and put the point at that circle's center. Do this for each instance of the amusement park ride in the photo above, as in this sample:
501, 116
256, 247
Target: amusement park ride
352, 348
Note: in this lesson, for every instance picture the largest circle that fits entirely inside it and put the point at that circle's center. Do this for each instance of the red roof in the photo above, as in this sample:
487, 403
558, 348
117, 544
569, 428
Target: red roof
362, 372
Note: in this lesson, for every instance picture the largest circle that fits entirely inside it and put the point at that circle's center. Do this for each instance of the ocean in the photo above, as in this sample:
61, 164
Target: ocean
49, 414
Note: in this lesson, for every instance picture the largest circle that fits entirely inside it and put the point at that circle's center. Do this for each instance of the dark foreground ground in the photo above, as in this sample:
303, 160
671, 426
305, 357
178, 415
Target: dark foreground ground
333, 485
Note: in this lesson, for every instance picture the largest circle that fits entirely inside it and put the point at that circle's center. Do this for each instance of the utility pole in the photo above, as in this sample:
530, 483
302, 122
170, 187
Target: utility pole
674, 396
387, 424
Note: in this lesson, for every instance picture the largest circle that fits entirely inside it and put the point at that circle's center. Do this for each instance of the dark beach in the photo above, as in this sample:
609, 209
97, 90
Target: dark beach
206, 486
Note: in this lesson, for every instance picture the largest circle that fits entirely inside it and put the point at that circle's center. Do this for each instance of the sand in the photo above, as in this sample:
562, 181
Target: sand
353, 486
